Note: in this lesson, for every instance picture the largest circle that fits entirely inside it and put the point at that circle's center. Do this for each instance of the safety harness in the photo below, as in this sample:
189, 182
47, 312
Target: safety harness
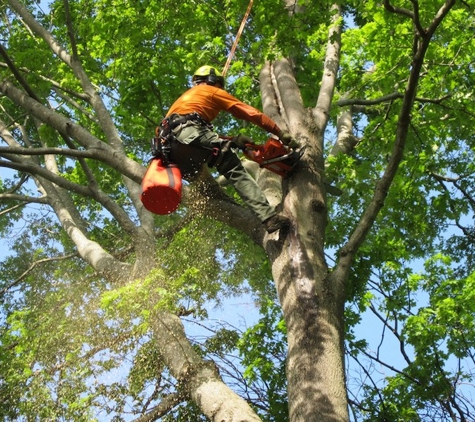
164, 138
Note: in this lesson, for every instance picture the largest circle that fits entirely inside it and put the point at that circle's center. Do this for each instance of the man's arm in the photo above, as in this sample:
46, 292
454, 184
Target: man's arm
253, 115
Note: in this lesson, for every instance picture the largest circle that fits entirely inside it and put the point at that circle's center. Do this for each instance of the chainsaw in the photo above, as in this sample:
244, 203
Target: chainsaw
273, 155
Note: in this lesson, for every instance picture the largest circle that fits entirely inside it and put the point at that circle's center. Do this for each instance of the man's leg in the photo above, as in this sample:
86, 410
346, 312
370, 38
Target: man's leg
231, 168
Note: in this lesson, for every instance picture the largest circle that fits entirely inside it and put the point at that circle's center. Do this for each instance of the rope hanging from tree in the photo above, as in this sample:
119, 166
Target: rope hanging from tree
241, 28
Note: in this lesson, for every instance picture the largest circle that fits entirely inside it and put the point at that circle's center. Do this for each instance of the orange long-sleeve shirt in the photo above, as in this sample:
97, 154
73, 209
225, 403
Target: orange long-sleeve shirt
208, 101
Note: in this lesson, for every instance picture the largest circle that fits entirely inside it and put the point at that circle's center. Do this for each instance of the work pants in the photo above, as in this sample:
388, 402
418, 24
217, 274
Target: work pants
229, 165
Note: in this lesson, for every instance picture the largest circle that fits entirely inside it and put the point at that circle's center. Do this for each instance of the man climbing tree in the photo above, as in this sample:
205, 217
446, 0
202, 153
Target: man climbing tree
187, 127
96, 290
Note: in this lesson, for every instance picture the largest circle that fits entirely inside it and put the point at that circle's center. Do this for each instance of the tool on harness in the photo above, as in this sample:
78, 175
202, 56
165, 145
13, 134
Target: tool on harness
161, 148
162, 183
162, 142
161, 187
218, 154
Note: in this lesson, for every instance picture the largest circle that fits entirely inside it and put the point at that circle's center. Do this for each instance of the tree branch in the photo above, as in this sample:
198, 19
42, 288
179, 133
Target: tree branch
55, 85
321, 111
366, 222
166, 405
89, 153
346, 141
104, 152
23, 198
292, 109
94, 254
95, 100
270, 101
17, 186
199, 378
363, 102
398, 10
67, 99
32, 267
17, 74
69, 25
439, 17
91, 191
394, 331
466, 231
414, 16
417, 18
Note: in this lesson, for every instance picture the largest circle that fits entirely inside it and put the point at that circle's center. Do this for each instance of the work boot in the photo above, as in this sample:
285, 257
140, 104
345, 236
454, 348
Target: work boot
276, 222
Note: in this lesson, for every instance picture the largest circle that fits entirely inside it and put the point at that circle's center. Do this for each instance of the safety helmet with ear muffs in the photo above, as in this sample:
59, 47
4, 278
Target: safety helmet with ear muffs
209, 75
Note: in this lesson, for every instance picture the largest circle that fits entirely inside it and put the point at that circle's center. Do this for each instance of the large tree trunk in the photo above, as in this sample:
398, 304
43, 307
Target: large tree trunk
312, 306
313, 311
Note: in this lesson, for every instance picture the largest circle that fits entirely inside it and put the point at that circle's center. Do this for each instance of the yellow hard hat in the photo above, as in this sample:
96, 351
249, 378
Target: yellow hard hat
210, 75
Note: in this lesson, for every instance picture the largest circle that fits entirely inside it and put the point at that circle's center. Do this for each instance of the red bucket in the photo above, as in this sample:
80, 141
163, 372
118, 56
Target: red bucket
161, 188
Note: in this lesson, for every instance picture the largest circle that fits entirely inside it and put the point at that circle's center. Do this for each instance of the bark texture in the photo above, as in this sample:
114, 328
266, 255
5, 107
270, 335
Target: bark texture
198, 378
312, 306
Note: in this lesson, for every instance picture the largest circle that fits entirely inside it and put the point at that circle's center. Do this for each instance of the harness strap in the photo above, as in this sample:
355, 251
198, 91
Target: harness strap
174, 120
162, 143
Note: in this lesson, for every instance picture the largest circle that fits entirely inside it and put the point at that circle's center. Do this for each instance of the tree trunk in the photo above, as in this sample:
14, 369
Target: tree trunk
197, 378
312, 306
313, 311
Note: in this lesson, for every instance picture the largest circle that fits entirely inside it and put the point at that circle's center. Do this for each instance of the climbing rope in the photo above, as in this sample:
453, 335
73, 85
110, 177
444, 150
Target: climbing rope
241, 28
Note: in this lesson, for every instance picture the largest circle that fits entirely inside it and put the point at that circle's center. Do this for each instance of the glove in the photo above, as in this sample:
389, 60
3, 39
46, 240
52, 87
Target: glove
241, 140
287, 139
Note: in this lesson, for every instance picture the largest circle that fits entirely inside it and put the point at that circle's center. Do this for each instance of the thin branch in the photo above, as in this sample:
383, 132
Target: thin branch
386, 98
374, 101
32, 267
465, 194
89, 153
439, 17
107, 125
56, 86
17, 186
390, 367
393, 330
398, 10
441, 178
417, 18
466, 231
11, 209
368, 376
23, 198
39, 171
17, 74
61, 93
165, 406
90, 191
32, 94
116, 159
69, 25
87, 171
